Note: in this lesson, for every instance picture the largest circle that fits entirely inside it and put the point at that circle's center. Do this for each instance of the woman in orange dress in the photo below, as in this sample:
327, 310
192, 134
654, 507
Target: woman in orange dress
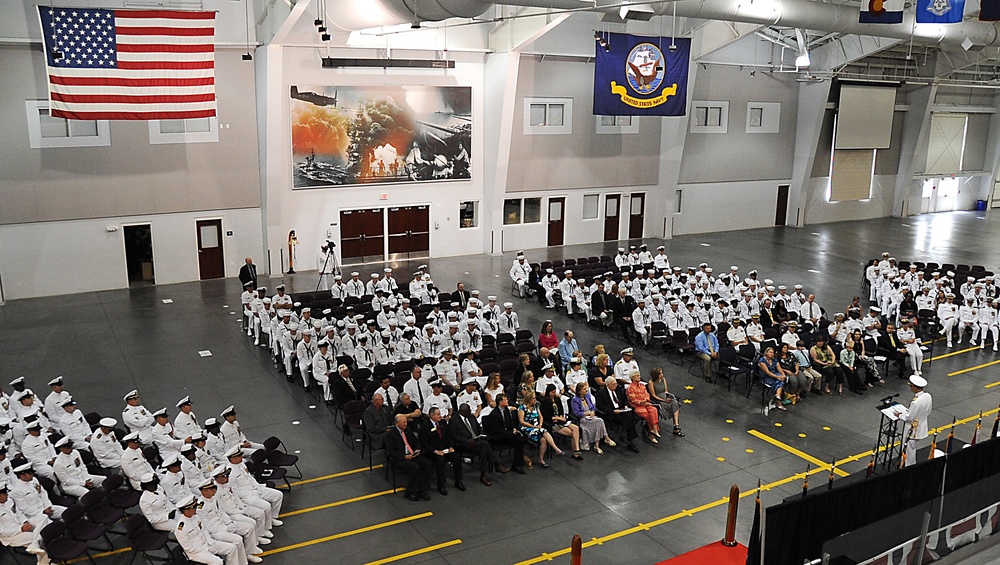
638, 398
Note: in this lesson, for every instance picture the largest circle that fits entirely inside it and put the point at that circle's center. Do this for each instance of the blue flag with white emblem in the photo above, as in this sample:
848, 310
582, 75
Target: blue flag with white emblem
940, 11
641, 76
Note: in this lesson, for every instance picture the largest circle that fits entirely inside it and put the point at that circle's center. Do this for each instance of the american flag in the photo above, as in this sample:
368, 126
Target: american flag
129, 64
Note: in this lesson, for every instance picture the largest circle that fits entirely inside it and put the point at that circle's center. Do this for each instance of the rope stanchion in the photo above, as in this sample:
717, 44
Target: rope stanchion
576, 553
734, 503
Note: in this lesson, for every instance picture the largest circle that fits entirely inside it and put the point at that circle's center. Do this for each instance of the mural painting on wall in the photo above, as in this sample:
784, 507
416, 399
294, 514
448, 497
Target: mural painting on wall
387, 134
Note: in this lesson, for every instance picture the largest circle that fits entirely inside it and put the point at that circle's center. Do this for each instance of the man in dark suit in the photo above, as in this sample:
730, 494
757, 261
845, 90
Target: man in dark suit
465, 431
378, 420
461, 296
600, 304
545, 356
890, 346
623, 305
612, 405
767, 317
502, 431
403, 447
248, 273
344, 389
435, 436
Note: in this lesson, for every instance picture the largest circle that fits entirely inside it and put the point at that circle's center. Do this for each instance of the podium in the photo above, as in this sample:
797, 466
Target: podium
889, 448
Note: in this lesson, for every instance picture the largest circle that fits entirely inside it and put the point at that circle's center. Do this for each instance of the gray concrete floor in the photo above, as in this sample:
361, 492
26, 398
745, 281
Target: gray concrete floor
106, 343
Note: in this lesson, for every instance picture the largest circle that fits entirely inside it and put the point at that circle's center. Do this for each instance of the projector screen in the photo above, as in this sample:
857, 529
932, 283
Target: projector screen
864, 117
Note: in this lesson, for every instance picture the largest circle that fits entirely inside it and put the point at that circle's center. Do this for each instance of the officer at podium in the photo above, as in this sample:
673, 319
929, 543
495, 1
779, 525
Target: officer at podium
917, 414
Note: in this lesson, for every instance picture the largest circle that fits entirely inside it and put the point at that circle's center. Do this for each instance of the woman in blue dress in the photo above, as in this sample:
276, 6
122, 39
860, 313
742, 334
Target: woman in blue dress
530, 420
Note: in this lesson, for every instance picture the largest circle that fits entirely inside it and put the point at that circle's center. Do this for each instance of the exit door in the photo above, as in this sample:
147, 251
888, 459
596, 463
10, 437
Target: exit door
557, 208
211, 261
612, 203
409, 232
636, 215
362, 235
781, 209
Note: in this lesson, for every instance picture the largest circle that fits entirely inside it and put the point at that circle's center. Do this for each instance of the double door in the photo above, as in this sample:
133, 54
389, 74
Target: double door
380, 234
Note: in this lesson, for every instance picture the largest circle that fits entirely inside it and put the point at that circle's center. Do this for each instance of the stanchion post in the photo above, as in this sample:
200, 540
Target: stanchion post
577, 552
734, 504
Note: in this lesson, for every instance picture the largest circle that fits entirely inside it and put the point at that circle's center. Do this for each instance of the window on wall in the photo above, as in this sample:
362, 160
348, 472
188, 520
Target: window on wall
617, 124
193, 130
548, 116
710, 117
591, 206
763, 117
678, 195
45, 130
468, 216
522, 211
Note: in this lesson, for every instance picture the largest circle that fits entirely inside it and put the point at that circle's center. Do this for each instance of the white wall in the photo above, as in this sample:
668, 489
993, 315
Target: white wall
726, 206
48, 258
819, 211
310, 212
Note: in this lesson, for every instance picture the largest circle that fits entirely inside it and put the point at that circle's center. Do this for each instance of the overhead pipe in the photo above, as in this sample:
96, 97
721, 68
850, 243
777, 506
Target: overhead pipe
353, 15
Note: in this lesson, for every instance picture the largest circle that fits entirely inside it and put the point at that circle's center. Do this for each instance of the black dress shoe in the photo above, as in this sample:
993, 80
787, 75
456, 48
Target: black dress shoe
631, 447
424, 496
485, 480
518, 470
442, 491
460, 486
411, 496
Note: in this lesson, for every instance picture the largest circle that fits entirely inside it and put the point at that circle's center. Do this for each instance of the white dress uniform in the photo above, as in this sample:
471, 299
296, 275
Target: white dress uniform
550, 284
74, 426
192, 470
919, 411
32, 499
73, 474
508, 322
641, 323
39, 452
474, 400
175, 486
305, 351
138, 420
106, 449
134, 465
202, 548
968, 317
947, 314
623, 370
215, 446
53, 404
519, 272
217, 524
163, 437
322, 365
439, 401
232, 435
987, 323
186, 425
11, 535
156, 507
231, 503
254, 493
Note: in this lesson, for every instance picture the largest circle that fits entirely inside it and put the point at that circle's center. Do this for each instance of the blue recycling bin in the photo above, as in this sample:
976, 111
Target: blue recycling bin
980, 205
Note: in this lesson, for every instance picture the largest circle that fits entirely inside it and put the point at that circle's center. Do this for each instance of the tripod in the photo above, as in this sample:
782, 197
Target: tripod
330, 256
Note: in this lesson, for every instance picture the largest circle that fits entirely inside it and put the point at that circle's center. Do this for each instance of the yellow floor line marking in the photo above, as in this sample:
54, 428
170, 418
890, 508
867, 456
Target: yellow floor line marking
341, 502
977, 367
335, 475
991, 385
421, 551
102, 554
346, 534
951, 353
819, 463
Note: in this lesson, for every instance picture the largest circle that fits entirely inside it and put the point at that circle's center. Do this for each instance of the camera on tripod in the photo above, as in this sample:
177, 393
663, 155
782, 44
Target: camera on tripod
330, 244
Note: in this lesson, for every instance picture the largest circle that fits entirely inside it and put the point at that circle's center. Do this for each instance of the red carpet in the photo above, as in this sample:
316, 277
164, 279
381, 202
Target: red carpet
711, 554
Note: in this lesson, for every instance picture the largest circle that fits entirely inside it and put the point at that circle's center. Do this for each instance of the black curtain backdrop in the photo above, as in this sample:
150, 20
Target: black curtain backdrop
796, 530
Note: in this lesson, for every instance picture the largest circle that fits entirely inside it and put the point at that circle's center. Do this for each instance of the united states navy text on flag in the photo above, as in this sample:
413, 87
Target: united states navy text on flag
641, 76
129, 64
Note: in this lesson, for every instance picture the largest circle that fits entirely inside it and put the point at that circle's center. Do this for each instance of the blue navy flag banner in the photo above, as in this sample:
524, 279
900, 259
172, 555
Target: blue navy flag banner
641, 76
940, 11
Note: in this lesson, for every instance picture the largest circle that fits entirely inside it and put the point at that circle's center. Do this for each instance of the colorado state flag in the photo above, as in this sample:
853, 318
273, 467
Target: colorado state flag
940, 11
641, 76
881, 12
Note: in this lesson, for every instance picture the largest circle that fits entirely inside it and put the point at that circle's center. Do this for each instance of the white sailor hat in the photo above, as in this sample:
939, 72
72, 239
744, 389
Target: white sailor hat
160, 412
147, 478
385, 334
621, 250
280, 287
453, 324
26, 468
16, 381
58, 381
221, 470
64, 442
68, 402
950, 273
949, 295
209, 422
229, 410
207, 483
248, 283
132, 394
548, 367
374, 275
134, 436
266, 301
782, 287
798, 287
183, 401
107, 422
188, 503
575, 361
661, 248
261, 289
171, 461
628, 351
508, 304
308, 331
519, 255
918, 381
234, 451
